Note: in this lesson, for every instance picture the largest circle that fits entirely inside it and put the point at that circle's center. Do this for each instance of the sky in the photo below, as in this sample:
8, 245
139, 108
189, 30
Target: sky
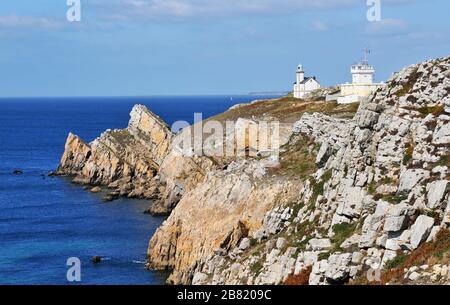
193, 47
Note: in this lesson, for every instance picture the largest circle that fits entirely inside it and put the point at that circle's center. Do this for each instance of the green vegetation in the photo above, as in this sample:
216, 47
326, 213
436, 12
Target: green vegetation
409, 85
256, 268
444, 161
303, 229
318, 188
394, 199
432, 253
296, 207
396, 262
408, 154
341, 233
287, 110
323, 255
299, 159
435, 110
372, 188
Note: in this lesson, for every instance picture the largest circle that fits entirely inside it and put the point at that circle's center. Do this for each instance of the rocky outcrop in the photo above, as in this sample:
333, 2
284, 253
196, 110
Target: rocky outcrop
124, 160
346, 198
379, 178
76, 154
213, 218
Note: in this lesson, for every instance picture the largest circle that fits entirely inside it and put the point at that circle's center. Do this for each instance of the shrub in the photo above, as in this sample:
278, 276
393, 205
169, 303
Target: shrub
396, 262
301, 279
256, 268
408, 154
323, 255
438, 250
341, 233
318, 188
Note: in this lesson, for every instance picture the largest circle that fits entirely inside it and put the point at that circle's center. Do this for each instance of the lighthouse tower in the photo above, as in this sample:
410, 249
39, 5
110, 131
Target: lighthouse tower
362, 84
300, 74
304, 85
362, 72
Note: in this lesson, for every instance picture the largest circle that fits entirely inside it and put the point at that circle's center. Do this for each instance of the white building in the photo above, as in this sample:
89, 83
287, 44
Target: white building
362, 82
304, 85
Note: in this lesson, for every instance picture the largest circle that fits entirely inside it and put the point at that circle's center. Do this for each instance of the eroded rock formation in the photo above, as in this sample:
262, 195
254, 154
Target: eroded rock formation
349, 197
126, 161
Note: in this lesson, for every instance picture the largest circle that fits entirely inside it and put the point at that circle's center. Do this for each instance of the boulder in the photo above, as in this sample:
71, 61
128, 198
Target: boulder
388, 256
96, 189
350, 201
396, 217
245, 244
414, 276
420, 230
392, 242
410, 178
442, 135
96, 259
199, 278
338, 269
446, 219
320, 244
404, 240
351, 241
435, 193
281, 242
372, 225
367, 119
324, 154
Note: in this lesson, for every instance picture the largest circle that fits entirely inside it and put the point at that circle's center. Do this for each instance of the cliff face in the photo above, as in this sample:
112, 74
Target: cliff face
214, 217
378, 202
358, 190
125, 160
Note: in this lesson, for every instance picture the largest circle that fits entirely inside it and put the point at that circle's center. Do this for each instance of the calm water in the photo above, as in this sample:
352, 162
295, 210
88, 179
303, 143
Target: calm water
44, 221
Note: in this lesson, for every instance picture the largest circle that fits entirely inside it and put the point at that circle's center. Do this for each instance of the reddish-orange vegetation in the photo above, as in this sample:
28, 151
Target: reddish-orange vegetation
301, 279
436, 252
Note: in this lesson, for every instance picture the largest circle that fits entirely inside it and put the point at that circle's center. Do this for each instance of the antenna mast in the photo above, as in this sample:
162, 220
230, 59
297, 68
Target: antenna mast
366, 56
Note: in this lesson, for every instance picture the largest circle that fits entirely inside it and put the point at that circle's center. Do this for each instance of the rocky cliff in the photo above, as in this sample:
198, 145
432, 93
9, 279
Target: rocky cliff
126, 160
360, 193
375, 206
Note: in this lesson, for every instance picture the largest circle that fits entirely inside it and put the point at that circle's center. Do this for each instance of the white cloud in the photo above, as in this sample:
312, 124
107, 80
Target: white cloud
208, 8
14, 21
387, 26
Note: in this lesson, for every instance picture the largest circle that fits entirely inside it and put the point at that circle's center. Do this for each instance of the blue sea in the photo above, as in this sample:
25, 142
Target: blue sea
44, 221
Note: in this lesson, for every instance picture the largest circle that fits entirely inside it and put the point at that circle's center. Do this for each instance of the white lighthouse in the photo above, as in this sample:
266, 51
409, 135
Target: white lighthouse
300, 74
304, 85
362, 82
362, 72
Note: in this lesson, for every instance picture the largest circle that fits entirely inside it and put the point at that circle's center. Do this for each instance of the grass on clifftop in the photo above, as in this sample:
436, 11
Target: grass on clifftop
287, 110
299, 159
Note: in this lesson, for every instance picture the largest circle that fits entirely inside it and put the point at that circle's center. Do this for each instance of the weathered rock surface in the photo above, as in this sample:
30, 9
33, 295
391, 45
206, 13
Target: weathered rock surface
367, 196
125, 160
421, 230
214, 217
377, 177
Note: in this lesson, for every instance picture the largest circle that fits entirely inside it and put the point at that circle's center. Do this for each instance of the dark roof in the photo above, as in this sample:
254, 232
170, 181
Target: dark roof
307, 79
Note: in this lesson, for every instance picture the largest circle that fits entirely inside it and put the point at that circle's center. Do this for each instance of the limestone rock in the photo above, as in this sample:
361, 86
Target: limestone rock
206, 217
396, 217
442, 135
338, 269
410, 178
436, 191
319, 244
420, 230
